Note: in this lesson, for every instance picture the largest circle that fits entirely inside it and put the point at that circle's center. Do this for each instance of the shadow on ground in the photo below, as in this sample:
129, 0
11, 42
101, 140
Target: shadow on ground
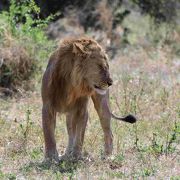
62, 167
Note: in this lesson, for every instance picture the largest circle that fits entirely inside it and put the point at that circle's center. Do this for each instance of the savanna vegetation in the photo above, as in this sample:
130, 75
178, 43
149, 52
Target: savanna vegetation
142, 39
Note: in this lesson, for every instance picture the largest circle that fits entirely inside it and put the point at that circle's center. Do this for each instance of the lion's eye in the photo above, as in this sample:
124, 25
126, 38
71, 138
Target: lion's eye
101, 67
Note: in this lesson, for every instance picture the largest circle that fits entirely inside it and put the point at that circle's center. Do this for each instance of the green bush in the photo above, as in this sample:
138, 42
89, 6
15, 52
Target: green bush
23, 43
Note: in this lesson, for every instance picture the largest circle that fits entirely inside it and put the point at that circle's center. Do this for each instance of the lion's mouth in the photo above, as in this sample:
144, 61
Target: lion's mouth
99, 90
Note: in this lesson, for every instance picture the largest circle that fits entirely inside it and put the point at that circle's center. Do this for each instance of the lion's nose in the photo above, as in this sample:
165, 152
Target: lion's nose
110, 82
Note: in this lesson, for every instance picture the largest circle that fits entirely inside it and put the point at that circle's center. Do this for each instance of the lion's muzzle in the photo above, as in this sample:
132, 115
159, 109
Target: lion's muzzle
102, 88
109, 82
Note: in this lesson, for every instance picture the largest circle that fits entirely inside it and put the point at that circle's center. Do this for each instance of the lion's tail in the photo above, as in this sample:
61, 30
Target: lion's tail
129, 118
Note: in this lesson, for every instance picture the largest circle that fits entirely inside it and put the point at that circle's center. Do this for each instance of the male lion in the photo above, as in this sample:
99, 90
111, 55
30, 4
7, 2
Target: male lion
77, 71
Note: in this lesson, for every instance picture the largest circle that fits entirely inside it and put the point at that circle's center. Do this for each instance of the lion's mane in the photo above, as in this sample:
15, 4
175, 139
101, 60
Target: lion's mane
67, 69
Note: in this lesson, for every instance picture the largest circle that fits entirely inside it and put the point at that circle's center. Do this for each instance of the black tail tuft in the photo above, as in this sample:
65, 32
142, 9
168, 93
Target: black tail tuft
130, 119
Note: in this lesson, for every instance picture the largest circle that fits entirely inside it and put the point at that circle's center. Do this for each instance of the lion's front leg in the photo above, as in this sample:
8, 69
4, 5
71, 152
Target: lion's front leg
101, 103
71, 128
81, 123
49, 123
76, 121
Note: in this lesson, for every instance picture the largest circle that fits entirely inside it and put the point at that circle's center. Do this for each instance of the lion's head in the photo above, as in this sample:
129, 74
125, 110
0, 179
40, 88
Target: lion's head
90, 65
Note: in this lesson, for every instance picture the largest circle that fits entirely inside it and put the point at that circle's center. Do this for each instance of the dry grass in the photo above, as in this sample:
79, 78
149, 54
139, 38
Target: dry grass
146, 83
16, 66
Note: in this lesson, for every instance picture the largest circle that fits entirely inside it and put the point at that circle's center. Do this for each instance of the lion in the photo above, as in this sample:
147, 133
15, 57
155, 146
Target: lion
77, 71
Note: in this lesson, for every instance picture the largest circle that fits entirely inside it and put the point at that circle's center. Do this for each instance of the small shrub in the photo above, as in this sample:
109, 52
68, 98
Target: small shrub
159, 147
25, 129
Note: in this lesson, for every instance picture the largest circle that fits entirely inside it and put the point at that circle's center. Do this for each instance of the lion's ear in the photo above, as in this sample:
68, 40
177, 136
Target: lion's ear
78, 49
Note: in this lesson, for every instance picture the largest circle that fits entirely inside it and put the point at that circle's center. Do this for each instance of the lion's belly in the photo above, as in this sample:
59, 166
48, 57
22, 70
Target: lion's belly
65, 107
